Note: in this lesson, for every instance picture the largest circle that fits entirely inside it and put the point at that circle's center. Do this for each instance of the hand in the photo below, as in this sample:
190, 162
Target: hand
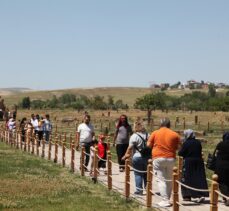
124, 157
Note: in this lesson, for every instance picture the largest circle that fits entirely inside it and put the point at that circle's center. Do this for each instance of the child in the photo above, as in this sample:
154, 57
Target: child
102, 152
92, 148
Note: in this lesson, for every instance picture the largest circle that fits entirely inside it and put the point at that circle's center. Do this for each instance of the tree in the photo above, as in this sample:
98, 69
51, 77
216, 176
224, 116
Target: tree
25, 103
211, 90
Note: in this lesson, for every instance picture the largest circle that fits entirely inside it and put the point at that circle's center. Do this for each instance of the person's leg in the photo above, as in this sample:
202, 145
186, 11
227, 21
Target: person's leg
47, 136
160, 178
122, 153
119, 154
138, 176
169, 164
87, 150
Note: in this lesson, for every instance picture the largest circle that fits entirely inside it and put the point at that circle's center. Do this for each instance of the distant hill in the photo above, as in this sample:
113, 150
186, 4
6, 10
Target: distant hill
13, 90
127, 94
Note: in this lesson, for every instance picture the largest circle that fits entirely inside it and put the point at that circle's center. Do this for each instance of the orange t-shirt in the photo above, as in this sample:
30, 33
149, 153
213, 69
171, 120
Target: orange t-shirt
164, 142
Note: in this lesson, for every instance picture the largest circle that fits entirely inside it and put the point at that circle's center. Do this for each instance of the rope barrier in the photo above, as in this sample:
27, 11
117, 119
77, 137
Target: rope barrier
191, 188
221, 194
15, 139
136, 170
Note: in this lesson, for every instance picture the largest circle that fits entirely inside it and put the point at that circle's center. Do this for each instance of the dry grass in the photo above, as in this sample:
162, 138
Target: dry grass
127, 94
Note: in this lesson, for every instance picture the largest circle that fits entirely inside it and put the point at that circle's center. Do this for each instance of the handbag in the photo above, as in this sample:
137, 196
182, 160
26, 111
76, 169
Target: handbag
211, 161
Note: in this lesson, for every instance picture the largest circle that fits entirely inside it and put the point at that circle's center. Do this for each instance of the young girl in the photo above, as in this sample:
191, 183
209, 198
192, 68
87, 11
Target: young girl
102, 152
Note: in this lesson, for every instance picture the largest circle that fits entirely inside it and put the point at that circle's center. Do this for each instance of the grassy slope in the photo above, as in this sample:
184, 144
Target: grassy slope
30, 183
127, 94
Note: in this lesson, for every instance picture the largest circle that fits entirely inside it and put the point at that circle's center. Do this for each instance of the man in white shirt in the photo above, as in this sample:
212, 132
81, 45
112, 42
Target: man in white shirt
85, 134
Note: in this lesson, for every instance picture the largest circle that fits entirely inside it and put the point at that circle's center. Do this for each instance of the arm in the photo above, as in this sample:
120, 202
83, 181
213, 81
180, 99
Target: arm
150, 141
182, 149
128, 153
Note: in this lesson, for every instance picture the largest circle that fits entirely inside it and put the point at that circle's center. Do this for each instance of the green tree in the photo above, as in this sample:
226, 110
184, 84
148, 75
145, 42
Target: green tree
211, 90
25, 103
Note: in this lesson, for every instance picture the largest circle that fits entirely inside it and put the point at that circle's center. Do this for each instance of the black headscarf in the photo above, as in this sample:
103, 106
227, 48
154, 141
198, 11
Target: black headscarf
226, 137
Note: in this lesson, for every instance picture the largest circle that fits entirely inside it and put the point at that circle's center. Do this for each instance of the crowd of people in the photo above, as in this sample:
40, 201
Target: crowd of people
37, 125
164, 144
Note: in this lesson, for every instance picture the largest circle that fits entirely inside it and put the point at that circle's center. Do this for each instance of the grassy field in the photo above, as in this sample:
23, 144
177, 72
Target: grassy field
31, 183
213, 124
127, 94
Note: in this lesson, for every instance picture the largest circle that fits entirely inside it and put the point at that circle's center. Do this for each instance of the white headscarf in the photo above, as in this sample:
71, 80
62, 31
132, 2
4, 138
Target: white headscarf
189, 133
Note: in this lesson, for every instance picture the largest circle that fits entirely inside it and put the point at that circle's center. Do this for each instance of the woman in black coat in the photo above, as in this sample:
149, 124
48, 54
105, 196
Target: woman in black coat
193, 172
222, 165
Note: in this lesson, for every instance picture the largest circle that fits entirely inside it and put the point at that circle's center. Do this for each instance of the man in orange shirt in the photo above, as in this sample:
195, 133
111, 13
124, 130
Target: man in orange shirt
165, 143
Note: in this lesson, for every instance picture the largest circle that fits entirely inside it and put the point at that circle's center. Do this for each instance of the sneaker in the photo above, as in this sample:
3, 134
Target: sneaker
121, 170
138, 193
200, 200
164, 204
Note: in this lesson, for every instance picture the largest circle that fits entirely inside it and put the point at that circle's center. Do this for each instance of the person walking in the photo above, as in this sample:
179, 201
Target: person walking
165, 143
47, 127
222, 166
22, 128
193, 171
138, 141
121, 139
85, 134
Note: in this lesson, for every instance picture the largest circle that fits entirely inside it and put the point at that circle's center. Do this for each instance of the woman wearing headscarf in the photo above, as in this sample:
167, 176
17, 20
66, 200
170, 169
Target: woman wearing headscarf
222, 165
193, 172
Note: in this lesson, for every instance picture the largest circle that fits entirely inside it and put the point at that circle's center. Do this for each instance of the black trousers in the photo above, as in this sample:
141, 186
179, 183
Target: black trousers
121, 150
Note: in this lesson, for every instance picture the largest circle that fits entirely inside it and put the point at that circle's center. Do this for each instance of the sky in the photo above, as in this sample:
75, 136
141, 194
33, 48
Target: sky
59, 44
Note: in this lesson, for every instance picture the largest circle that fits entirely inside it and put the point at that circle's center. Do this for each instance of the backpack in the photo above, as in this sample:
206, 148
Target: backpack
145, 151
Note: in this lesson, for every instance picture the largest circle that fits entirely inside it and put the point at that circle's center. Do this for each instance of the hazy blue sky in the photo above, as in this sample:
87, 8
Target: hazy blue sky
52, 44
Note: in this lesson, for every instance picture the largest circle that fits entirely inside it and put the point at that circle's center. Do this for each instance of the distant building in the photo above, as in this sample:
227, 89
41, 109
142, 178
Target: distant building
153, 86
192, 84
164, 85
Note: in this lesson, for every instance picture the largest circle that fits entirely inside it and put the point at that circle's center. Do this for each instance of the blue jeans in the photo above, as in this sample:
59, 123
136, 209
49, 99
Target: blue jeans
140, 164
46, 135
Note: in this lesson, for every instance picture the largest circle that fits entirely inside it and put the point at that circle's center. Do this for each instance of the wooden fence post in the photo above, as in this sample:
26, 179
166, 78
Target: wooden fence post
20, 137
214, 195
184, 123
37, 144
72, 153
109, 171
32, 137
149, 184
82, 160
63, 150
196, 119
17, 139
50, 148
43, 147
180, 167
56, 150
175, 190
127, 178
95, 164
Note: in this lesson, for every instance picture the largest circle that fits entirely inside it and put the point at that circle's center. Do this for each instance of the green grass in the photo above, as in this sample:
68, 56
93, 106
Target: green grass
30, 183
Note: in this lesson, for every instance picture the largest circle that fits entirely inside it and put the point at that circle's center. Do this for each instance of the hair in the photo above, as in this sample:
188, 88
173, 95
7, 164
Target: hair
165, 122
121, 123
139, 126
